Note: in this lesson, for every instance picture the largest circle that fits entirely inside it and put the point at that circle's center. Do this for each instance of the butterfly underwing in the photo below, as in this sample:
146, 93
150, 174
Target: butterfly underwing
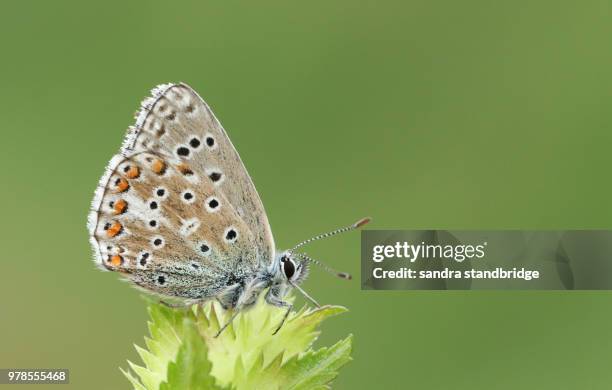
177, 214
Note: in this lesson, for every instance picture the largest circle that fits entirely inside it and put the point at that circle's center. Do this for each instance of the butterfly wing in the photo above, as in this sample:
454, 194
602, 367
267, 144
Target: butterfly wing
176, 211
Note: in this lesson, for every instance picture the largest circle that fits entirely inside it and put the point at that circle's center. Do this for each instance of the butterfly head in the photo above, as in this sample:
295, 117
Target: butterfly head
293, 265
291, 268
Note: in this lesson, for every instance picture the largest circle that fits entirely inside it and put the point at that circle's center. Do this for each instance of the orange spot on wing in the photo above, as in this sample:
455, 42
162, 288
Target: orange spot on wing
114, 229
116, 260
122, 185
184, 169
158, 166
133, 172
120, 206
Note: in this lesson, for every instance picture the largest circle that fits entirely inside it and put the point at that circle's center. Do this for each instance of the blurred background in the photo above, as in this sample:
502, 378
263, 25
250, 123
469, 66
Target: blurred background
422, 114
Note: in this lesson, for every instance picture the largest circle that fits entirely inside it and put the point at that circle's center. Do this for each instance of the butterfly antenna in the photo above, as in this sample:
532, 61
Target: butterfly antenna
342, 275
354, 226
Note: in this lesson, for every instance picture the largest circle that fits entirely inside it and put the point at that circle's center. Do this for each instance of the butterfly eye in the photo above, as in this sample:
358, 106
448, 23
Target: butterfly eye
288, 268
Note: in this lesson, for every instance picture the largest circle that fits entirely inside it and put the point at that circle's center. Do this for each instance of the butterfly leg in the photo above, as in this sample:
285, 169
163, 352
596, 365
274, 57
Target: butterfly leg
227, 323
289, 307
276, 301
305, 294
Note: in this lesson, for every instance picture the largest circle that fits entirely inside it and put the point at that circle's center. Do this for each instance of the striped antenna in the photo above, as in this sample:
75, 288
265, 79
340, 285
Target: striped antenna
342, 275
354, 226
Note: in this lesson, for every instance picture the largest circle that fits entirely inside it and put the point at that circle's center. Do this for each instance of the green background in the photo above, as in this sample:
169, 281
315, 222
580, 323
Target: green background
422, 114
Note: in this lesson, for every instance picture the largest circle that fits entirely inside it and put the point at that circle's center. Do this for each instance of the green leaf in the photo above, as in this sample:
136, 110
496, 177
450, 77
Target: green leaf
167, 337
191, 370
137, 385
312, 370
318, 368
182, 351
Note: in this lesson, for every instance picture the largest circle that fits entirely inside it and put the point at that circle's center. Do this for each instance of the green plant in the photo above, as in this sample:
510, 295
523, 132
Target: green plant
182, 352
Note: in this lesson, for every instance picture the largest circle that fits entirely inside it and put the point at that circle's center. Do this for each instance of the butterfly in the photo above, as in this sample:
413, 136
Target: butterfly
177, 214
